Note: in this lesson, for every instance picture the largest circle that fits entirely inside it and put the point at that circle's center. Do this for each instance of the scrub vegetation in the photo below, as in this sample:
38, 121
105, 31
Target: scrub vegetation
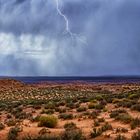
71, 111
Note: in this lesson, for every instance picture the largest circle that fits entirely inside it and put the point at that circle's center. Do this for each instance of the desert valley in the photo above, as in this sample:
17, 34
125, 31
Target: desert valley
70, 111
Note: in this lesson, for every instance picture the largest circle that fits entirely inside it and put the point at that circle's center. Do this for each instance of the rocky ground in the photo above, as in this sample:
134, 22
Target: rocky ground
71, 111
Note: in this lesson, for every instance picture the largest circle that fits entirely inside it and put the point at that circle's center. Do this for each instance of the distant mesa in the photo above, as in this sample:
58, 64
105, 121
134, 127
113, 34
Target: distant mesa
10, 83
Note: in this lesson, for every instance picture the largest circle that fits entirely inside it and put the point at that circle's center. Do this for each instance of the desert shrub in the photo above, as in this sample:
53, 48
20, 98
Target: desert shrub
109, 99
66, 116
81, 109
115, 113
99, 97
124, 102
135, 123
70, 125
12, 134
124, 117
136, 135
74, 100
61, 103
116, 101
103, 102
101, 120
136, 107
9, 116
42, 137
93, 101
96, 123
106, 127
48, 121
37, 107
35, 119
61, 110
91, 105
16, 111
77, 105
127, 104
2, 126
96, 132
94, 114
56, 109
121, 111
68, 100
18, 128
87, 113
120, 137
11, 122
21, 115
72, 134
104, 109
71, 105
133, 96
47, 111
50, 105
121, 130
99, 106
83, 100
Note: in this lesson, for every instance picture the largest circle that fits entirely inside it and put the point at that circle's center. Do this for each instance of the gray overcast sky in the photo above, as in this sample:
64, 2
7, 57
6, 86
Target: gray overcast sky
105, 37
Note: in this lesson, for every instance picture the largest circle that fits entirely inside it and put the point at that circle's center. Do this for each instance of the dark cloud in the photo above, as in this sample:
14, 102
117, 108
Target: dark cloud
19, 1
36, 30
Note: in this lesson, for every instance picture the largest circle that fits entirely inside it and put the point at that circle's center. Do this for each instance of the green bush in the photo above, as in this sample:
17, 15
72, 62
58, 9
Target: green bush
72, 134
91, 105
124, 102
50, 105
71, 105
61, 110
48, 121
81, 109
133, 96
35, 119
66, 116
116, 101
70, 125
99, 97
118, 111
99, 106
119, 114
93, 101
47, 111
124, 117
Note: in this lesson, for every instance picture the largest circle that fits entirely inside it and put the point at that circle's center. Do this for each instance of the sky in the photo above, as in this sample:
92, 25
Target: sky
69, 37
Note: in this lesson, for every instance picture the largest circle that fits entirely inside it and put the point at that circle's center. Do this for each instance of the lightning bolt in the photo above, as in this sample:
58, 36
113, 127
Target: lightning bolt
67, 28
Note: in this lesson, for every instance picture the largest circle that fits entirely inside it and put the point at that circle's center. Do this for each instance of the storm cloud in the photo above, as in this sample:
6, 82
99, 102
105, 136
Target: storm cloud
33, 39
